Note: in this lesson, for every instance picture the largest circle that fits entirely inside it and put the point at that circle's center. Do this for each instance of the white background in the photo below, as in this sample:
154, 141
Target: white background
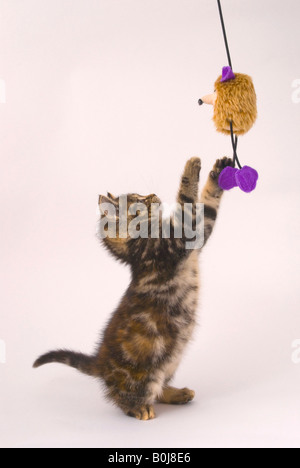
102, 95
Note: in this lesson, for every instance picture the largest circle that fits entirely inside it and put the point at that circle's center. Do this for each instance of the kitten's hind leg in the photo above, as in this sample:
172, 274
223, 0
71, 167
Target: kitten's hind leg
176, 396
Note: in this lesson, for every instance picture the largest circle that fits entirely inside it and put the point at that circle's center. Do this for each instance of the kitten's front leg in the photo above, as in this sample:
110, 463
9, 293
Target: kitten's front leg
189, 187
211, 196
185, 214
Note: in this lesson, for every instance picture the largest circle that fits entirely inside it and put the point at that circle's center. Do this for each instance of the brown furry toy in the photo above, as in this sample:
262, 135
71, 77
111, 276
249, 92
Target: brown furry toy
234, 101
235, 112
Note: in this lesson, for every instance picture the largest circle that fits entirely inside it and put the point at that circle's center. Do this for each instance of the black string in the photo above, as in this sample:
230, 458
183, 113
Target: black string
234, 139
224, 33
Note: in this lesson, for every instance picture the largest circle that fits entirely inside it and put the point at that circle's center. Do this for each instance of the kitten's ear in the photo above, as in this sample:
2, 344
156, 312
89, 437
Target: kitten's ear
103, 199
112, 197
108, 199
108, 206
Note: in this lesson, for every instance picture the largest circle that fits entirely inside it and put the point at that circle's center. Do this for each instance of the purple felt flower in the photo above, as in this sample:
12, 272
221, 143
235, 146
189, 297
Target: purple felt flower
245, 178
227, 74
227, 178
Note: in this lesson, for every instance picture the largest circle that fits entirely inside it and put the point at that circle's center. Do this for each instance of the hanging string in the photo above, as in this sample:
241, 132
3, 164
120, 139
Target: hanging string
224, 33
234, 139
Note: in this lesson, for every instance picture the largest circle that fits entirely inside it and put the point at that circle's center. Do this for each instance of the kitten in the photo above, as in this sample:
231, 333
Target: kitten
144, 341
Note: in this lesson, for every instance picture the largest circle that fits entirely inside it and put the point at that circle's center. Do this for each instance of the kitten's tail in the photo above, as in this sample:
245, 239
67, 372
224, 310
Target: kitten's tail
81, 362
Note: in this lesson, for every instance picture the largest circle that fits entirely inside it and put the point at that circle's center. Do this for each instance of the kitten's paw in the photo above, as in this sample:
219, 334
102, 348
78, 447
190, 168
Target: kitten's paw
185, 395
176, 396
144, 413
192, 169
219, 166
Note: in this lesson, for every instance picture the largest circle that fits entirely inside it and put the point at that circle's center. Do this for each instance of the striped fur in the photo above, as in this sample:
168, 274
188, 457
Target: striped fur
145, 338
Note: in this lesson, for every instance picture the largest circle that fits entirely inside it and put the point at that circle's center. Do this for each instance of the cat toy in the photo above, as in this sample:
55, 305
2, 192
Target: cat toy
235, 112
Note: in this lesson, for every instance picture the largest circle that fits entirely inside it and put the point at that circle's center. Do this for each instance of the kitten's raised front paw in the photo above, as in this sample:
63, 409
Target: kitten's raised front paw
144, 413
219, 166
192, 169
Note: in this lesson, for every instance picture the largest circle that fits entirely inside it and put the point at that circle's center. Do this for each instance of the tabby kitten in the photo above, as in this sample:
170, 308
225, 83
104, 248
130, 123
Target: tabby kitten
144, 341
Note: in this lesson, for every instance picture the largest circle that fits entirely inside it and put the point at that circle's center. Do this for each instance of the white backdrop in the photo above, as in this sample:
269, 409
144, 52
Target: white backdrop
102, 95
